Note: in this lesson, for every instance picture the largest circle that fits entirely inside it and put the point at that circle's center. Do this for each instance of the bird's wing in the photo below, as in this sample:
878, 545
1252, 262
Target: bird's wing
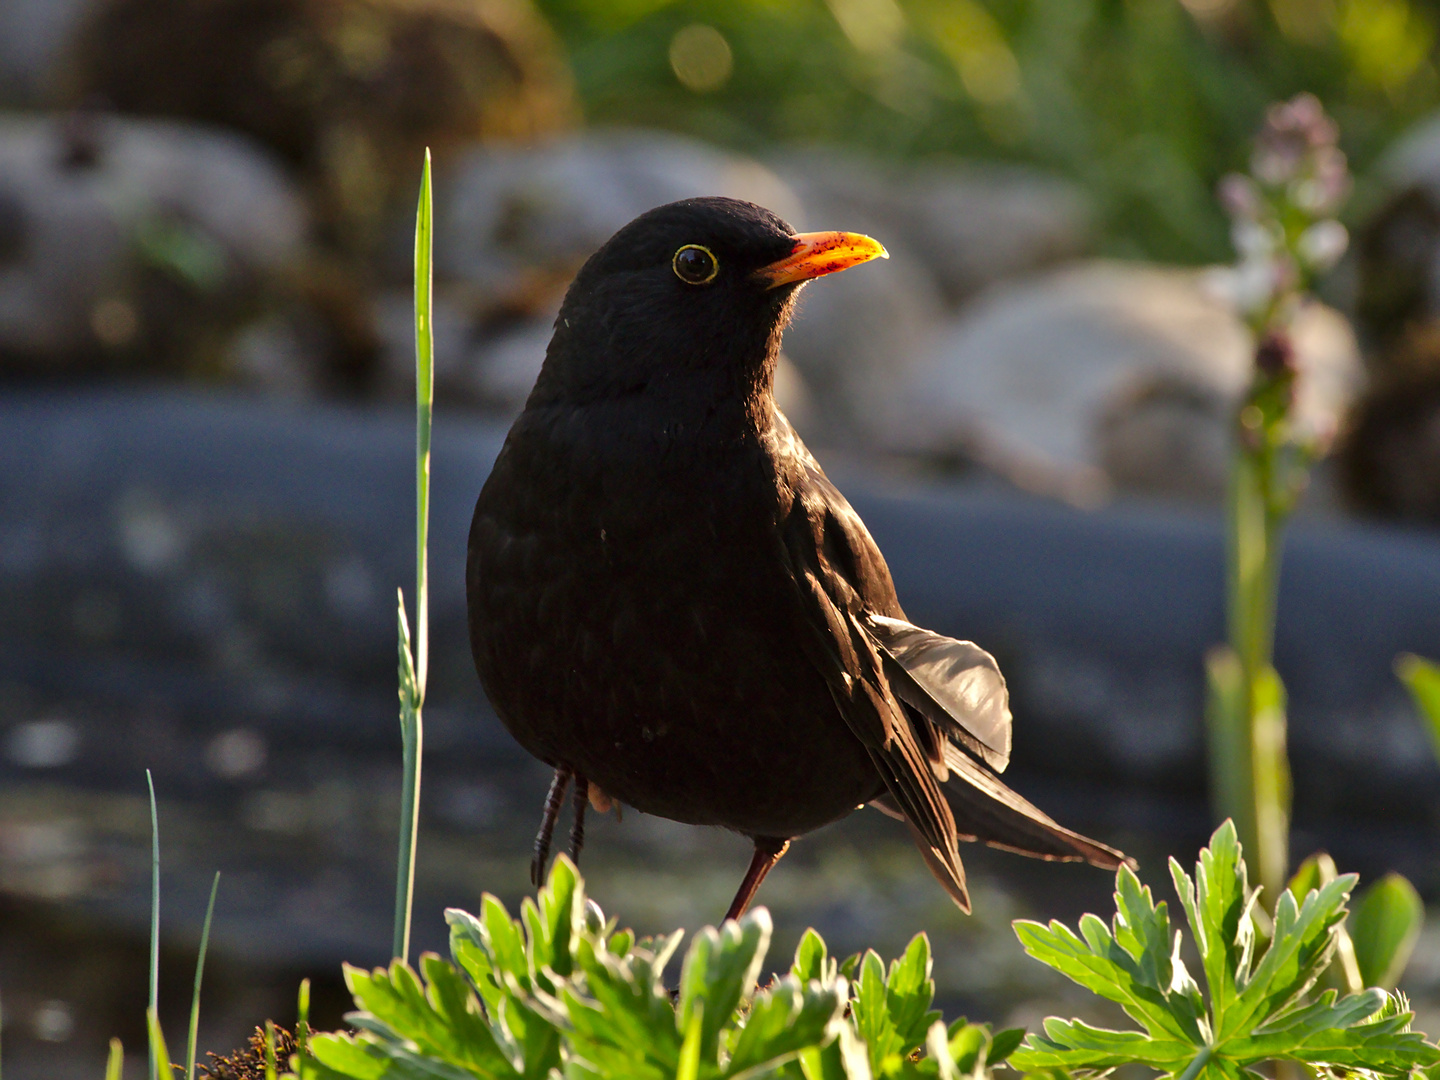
827, 559
905, 692
956, 685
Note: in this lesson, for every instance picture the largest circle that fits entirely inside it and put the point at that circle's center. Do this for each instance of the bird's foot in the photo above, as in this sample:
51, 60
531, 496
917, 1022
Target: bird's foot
553, 802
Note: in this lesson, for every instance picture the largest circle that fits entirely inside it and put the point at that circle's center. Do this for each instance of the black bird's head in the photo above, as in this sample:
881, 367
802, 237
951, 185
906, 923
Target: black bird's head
694, 290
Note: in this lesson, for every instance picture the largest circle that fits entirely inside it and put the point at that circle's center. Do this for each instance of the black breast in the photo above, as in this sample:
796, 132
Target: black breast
632, 616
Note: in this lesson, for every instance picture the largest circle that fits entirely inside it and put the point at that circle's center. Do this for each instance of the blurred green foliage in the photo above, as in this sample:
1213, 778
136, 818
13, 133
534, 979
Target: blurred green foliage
1146, 103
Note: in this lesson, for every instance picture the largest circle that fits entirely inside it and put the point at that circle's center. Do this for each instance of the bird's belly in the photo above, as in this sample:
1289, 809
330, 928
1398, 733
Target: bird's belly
662, 664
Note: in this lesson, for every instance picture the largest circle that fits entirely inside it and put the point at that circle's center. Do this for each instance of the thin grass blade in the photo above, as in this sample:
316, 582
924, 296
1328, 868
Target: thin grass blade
154, 1009
115, 1063
414, 662
158, 1052
424, 408
199, 975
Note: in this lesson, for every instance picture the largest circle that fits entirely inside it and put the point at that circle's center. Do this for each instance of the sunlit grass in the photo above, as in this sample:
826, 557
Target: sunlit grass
414, 662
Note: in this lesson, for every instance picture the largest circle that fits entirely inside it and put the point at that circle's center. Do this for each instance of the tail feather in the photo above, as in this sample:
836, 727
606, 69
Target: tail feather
989, 812
949, 871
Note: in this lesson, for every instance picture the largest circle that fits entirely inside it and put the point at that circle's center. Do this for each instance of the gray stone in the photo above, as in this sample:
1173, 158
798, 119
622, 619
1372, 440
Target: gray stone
124, 234
506, 215
969, 224
1110, 375
34, 36
857, 336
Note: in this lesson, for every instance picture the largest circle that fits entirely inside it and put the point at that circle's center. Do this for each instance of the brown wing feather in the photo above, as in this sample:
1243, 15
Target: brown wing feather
851, 626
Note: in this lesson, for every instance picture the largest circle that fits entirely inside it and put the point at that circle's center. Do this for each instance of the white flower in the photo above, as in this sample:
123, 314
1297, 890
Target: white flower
1321, 245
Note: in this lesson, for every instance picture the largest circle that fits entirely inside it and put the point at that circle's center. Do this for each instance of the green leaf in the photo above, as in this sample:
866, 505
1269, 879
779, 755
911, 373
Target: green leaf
1217, 905
1073, 1044
624, 1024
345, 1055
785, 1021
1314, 873
469, 949
1422, 678
1301, 945
871, 1013
562, 913
1003, 1044
689, 1067
1384, 928
1341, 1034
811, 959
966, 1045
503, 941
1267, 1014
158, 1051
909, 990
719, 973
441, 1024
1102, 966
845, 1058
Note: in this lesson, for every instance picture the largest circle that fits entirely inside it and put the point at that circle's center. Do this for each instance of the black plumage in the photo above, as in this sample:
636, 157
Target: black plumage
670, 602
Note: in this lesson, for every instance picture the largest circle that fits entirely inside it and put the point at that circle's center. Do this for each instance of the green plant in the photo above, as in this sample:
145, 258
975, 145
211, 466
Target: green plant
1286, 234
1374, 945
1257, 1005
415, 663
160, 1067
562, 992
1422, 678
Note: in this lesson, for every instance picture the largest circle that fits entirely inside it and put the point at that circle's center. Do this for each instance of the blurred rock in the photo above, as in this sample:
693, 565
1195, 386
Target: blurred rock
514, 223
1390, 455
1397, 249
1389, 458
970, 225
950, 230
126, 243
858, 335
34, 35
1108, 374
350, 91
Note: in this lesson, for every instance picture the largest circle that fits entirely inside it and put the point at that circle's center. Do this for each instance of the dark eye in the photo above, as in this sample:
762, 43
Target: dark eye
695, 265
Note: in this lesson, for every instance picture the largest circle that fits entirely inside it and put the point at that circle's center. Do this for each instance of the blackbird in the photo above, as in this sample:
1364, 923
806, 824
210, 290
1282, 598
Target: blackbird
672, 606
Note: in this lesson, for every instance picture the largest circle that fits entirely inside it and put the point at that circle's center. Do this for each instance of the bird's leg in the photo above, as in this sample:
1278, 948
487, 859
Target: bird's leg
553, 802
768, 850
581, 799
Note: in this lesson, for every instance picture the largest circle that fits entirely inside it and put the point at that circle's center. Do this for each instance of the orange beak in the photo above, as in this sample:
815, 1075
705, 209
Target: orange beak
819, 253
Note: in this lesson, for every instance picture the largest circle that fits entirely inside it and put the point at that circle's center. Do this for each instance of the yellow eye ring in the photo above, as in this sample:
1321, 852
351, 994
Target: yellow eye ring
695, 264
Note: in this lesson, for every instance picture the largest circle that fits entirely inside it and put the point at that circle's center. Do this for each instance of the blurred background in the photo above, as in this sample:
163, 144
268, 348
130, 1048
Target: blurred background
206, 370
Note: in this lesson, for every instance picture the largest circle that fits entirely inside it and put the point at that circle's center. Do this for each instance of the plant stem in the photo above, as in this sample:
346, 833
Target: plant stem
1250, 773
414, 663
1198, 1063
